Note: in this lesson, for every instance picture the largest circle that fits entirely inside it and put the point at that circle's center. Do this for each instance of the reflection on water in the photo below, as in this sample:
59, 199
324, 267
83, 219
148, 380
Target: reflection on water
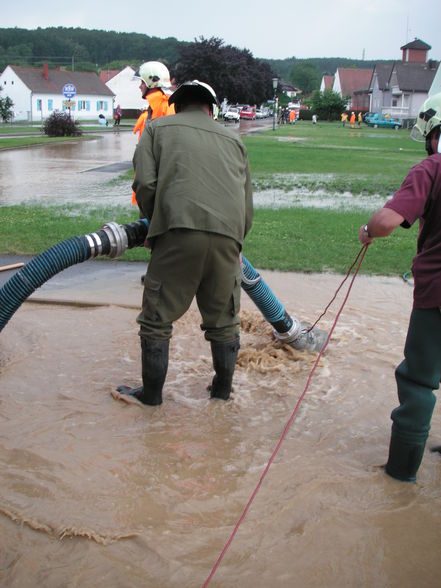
110, 494
54, 173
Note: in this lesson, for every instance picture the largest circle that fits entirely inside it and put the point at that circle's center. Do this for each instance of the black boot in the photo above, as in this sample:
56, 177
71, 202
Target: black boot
154, 371
404, 458
224, 361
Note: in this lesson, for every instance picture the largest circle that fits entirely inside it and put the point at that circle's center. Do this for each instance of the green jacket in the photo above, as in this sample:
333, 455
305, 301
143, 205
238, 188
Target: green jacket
193, 173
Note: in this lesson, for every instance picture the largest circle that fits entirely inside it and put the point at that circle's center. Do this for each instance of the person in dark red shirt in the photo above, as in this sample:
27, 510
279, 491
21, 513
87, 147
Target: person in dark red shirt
418, 375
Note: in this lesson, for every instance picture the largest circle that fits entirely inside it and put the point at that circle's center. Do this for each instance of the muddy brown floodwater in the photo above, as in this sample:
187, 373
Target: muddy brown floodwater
97, 493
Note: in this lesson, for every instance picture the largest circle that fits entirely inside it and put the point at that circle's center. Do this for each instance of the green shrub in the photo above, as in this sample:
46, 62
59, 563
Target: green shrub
61, 124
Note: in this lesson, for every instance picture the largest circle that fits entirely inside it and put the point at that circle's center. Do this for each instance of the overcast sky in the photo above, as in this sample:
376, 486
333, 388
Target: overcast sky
375, 29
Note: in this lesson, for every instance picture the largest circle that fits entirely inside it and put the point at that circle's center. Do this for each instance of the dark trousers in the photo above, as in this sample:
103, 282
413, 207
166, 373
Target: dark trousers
417, 376
186, 264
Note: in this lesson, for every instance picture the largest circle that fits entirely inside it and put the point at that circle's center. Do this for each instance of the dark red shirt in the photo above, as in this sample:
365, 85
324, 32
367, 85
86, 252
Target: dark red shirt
419, 197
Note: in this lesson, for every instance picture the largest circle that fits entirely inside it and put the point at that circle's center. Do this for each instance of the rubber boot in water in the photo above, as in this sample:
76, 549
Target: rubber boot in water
224, 361
154, 355
404, 458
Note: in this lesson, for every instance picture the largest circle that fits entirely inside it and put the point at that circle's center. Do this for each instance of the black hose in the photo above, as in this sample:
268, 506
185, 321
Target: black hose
112, 240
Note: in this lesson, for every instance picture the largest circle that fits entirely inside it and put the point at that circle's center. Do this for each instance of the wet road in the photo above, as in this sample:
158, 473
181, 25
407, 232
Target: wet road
76, 172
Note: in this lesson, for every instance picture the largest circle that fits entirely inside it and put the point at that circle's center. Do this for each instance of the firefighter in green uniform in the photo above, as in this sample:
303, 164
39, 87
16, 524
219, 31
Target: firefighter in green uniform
193, 184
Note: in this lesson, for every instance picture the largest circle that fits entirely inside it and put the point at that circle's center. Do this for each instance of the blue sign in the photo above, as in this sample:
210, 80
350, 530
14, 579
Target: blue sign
69, 91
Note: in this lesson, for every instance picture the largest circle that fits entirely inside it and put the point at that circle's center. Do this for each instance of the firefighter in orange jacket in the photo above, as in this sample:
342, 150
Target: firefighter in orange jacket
155, 78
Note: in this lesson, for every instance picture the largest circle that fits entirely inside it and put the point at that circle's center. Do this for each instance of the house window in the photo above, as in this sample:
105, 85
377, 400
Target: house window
81, 105
50, 104
39, 104
394, 102
100, 105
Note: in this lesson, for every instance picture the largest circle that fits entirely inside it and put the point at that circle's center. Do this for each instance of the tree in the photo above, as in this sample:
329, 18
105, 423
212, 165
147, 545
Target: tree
233, 73
328, 105
306, 76
6, 105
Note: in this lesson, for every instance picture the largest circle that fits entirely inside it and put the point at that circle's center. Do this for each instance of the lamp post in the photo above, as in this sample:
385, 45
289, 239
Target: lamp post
275, 82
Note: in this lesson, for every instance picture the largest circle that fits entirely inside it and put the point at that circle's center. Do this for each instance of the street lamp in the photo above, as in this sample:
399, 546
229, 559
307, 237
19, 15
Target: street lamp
275, 83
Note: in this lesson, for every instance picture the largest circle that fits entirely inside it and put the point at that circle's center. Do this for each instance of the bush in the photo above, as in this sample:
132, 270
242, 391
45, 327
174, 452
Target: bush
61, 124
305, 114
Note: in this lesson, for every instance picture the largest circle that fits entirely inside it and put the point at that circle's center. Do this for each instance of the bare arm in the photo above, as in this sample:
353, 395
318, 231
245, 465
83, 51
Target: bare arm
381, 224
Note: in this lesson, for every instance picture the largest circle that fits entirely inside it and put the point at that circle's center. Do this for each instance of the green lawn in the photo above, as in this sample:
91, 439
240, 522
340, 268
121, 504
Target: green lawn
326, 156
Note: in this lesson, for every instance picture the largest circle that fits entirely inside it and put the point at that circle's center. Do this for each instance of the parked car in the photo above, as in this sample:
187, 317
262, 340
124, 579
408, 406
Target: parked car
232, 114
249, 112
381, 120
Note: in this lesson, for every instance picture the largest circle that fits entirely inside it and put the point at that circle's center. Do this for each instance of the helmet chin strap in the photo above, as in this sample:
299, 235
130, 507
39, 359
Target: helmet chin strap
429, 147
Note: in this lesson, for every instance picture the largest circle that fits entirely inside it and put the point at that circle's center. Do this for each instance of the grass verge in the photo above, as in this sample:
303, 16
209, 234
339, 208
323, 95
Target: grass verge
301, 240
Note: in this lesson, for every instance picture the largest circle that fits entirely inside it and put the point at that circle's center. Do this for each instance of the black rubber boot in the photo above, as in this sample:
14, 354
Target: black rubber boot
154, 371
224, 361
404, 459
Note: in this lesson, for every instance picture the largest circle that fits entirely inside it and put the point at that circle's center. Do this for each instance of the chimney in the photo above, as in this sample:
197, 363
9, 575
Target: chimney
45, 71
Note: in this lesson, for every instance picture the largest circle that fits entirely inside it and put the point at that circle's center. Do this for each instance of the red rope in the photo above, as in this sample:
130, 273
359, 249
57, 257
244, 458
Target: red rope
361, 254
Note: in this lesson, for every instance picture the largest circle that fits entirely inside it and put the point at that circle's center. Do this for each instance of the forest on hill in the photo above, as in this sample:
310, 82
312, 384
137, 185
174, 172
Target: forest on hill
233, 72
94, 50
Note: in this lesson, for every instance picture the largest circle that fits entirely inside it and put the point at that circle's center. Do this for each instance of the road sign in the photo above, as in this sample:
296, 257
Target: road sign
68, 103
69, 91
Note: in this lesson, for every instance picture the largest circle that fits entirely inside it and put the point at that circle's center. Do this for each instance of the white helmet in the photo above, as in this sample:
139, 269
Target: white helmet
194, 89
429, 117
154, 74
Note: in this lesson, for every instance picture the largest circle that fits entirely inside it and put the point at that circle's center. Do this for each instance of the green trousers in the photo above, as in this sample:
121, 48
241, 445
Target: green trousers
186, 264
417, 376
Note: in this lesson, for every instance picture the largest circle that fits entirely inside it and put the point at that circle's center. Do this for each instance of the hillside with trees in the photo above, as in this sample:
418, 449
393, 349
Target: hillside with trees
234, 73
85, 49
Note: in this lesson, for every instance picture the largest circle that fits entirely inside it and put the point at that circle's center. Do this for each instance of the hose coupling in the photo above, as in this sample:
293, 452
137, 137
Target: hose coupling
292, 335
95, 243
117, 237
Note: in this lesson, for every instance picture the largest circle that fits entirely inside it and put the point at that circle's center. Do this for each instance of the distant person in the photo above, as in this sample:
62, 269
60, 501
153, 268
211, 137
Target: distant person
314, 119
360, 119
352, 120
292, 117
418, 375
344, 118
192, 182
117, 116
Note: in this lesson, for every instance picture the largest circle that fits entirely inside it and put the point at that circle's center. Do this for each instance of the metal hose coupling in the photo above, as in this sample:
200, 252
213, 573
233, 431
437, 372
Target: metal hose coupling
302, 336
292, 334
117, 238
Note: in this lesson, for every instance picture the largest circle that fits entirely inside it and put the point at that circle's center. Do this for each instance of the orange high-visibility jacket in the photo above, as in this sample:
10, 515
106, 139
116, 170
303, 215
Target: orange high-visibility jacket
158, 106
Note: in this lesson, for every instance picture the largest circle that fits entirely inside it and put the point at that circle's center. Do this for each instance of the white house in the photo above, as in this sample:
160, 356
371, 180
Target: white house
125, 88
37, 92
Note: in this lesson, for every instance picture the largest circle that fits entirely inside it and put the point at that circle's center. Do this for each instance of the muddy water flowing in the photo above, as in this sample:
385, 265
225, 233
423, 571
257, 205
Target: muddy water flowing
95, 492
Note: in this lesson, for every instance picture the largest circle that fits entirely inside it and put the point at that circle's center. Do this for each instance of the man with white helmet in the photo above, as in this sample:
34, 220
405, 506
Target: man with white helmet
192, 183
155, 85
418, 375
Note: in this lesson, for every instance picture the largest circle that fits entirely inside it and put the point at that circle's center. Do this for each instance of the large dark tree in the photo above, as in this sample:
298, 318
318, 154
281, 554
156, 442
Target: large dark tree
233, 73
